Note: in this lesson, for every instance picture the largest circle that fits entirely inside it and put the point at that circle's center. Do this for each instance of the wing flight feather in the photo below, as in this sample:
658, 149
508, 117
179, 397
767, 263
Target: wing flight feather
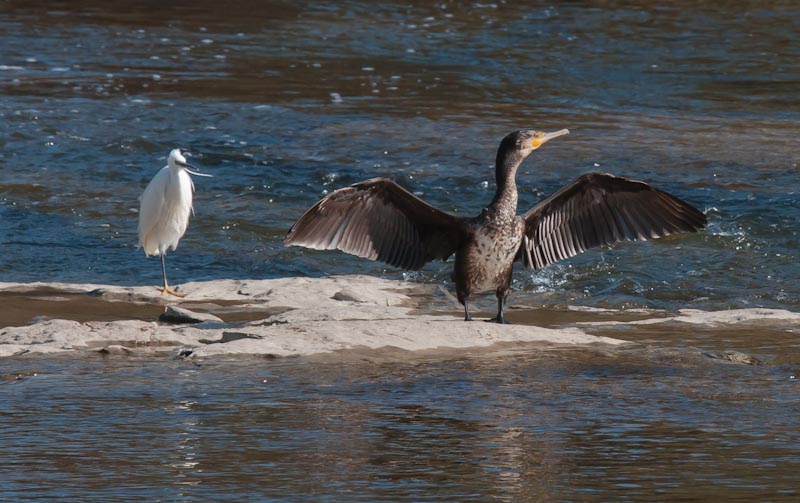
379, 220
600, 209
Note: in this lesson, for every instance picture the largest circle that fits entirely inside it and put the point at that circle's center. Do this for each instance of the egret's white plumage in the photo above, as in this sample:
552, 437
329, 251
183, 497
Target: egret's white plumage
165, 207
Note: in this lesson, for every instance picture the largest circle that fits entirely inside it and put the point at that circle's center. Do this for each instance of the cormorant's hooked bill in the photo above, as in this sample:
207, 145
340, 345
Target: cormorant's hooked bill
541, 138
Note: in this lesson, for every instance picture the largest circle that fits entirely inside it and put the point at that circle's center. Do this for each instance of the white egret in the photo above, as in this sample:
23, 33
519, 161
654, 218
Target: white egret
164, 210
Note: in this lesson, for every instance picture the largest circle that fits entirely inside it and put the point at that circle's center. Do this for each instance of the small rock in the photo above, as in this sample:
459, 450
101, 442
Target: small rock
230, 337
16, 376
184, 353
349, 295
734, 357
114, 349
235, 336
178, 315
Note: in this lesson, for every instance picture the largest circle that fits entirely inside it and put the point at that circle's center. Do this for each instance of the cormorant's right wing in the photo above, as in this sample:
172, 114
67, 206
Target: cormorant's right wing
379, 220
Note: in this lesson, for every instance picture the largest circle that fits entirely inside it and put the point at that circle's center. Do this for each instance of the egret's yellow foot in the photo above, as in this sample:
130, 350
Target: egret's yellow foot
170, 291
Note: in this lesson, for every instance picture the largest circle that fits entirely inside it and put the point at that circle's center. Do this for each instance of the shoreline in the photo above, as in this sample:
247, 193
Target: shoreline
295, 317
277, 317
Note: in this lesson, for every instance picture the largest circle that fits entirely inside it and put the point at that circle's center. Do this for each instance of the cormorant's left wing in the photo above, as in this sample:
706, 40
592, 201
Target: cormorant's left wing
600, 209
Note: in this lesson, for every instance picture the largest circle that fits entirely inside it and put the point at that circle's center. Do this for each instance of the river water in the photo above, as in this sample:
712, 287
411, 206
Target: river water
285, 101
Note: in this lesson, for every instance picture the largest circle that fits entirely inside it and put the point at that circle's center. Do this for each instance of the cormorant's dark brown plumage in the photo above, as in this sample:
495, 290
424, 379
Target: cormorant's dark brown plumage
379, 220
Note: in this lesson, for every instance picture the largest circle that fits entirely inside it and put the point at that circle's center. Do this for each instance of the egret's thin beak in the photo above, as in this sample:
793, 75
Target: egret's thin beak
538, 142
187, 167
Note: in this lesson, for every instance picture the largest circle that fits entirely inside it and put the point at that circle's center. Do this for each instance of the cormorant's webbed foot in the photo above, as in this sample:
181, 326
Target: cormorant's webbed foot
500, 320
467, 317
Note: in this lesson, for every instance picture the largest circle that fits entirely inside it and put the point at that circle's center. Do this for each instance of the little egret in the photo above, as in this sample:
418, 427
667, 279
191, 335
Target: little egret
164, 210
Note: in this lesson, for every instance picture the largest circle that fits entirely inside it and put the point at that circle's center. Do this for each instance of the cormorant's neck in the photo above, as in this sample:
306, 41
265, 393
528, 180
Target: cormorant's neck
505, 172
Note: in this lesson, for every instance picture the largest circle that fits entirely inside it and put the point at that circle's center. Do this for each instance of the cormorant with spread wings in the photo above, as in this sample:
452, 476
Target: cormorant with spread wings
379, 220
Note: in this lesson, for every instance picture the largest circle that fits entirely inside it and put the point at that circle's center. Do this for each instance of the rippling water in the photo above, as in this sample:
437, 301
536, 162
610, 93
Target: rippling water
512, 425
286, 101
283, 102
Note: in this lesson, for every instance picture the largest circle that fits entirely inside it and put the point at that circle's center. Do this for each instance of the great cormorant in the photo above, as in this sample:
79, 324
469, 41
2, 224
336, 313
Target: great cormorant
379, 220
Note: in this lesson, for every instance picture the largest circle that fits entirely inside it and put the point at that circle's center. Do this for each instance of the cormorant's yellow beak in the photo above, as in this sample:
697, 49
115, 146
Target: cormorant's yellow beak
541, 138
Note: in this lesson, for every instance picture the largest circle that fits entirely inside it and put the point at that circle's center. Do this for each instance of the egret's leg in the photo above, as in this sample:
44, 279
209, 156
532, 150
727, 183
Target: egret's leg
163, 273
166, 288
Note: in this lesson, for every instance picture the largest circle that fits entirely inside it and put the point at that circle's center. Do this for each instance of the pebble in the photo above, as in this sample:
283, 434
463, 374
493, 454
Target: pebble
179, 315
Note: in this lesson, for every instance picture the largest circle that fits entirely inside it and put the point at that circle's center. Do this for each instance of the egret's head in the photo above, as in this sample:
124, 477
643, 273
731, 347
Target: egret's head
176, 159
525, 141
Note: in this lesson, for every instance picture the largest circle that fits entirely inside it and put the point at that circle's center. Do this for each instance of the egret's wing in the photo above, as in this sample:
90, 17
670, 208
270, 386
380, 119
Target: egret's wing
379, 220
151, 205
601, 209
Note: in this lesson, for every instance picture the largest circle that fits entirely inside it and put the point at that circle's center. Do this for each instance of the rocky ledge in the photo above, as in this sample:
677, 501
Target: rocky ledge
280, 317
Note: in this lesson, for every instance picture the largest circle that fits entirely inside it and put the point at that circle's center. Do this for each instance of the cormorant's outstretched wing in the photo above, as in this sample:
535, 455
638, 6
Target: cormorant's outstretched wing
600, 209
379, 220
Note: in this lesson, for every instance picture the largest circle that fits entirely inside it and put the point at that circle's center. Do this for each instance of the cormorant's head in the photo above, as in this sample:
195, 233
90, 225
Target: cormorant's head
516, 147
525, 141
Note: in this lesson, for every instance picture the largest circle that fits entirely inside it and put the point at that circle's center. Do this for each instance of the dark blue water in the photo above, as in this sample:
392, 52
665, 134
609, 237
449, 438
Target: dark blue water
284, 102
700, 99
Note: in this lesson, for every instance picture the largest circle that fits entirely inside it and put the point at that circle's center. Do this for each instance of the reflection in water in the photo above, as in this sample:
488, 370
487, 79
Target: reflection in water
517, 424
184, 458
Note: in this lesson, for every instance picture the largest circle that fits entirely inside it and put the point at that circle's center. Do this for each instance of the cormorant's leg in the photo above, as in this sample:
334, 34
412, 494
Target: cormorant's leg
467, 317
500, 318
166, 288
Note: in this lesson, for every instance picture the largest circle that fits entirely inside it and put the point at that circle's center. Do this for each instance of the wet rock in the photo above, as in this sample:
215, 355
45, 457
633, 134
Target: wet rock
178, 315
184, 353
349, 295
734, 357
114, 349
17, 376
232, 336
235, 336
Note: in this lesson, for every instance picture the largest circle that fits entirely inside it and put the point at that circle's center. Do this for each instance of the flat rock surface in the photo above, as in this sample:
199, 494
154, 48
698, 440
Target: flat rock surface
300, 316
281, 317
